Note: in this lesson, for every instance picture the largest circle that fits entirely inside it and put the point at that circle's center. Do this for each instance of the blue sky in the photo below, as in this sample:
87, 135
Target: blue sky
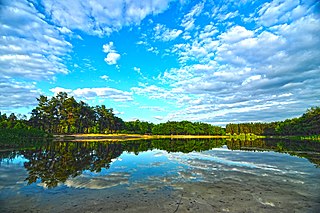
159, 60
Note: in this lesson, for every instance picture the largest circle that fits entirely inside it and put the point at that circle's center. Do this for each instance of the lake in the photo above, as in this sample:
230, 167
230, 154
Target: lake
215, 175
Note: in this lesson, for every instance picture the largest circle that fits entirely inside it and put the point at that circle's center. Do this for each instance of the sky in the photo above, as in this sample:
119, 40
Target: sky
214, 61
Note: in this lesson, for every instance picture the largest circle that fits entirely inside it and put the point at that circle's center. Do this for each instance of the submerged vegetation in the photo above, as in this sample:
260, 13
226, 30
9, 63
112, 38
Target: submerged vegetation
64, 115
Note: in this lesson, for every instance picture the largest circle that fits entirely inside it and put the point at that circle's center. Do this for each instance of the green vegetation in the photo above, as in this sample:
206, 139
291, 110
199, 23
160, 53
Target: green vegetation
187, 128
308, 125
64, 115
15, 130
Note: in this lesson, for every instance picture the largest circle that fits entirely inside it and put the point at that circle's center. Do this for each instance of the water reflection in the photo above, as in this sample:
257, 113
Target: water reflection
305, 149
56, 162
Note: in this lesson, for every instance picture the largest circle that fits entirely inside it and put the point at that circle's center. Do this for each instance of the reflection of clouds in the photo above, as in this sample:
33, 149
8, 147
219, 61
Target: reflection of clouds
45, 186
12, 177
18, 160
158, 163
98, 182
216, 165
224, 148
210, 161
116, 159
120, 167
159, 153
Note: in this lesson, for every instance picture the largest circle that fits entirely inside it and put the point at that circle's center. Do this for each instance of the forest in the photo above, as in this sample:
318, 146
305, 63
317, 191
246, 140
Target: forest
64, 115
307, 124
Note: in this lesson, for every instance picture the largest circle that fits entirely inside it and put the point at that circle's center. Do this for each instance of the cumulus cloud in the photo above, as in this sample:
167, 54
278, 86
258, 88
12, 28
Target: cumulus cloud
164, 34
279, 11
30, 47
112, 55
15, 94
243, 75
235, 34
56, 90
101, 17
92, 93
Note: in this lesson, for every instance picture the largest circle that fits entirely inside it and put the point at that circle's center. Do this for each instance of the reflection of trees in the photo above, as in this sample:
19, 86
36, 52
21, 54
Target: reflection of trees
306, 149
55, 162
187, 146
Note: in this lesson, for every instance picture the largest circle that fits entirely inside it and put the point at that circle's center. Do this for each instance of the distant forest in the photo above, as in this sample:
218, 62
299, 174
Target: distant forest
64, 115
307, 124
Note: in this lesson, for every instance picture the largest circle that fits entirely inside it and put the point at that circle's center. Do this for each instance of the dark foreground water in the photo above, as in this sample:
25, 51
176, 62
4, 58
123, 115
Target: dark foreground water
161, 176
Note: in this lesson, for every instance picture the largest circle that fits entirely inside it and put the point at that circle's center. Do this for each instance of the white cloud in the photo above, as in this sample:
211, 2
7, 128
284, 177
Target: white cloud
112, 58
101, 17
101, 93
30, 47
164, 34
278, 11
56, 90
251, 78
189, 19
105, 77
112, 55
138, 70
153, 108
17, 94
158, 117
236, 34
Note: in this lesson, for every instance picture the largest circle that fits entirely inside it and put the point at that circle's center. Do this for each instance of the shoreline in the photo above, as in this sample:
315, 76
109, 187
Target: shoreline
125, 137
121, 137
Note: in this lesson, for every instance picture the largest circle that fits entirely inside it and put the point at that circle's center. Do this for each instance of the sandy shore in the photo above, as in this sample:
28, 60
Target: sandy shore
222, 196
123, 137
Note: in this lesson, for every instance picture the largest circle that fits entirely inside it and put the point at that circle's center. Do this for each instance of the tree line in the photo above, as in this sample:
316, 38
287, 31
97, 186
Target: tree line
307, 124
63, 115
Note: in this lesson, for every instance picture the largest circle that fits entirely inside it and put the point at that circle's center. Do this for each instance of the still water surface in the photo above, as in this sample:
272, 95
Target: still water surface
161, 176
